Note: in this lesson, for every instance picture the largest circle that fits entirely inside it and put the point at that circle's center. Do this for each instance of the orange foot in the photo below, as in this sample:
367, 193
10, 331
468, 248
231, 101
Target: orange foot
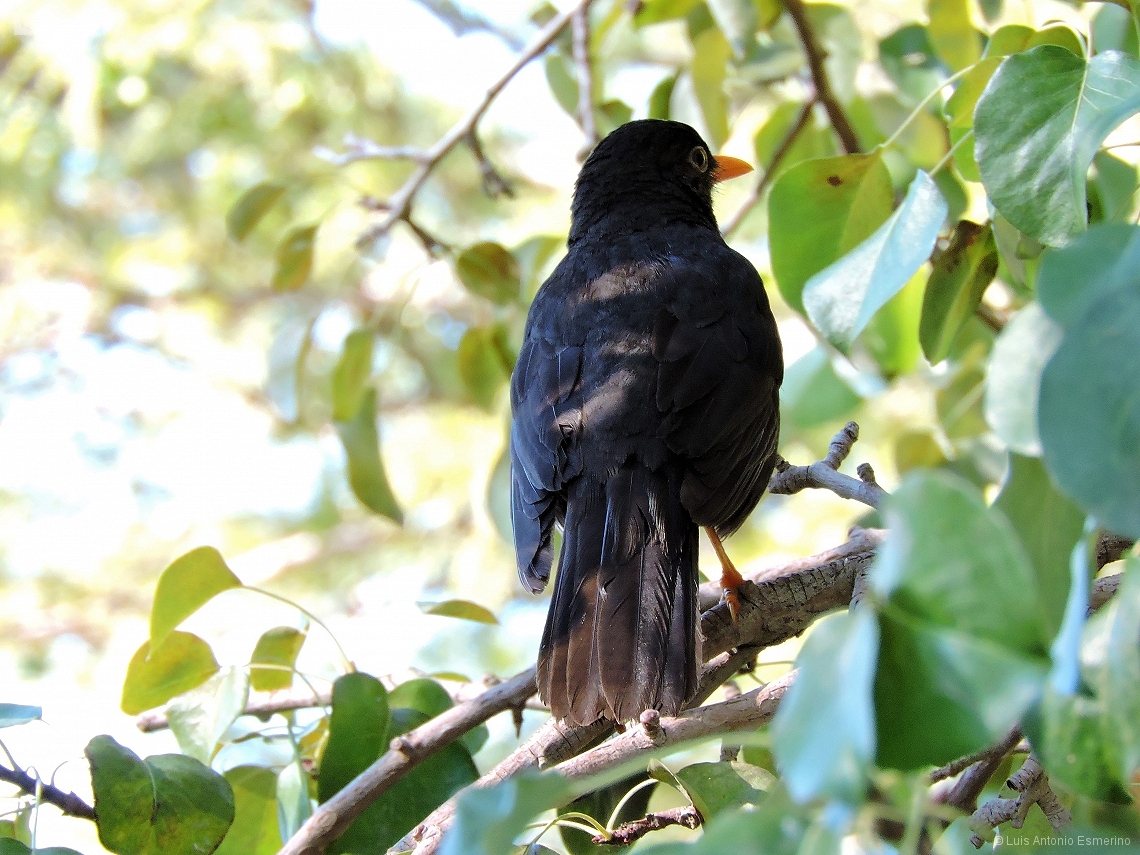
730, 578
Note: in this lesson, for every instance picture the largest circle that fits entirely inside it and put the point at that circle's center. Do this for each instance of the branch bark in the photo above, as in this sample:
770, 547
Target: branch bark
69, 803
824, 474
823, 91
580, 27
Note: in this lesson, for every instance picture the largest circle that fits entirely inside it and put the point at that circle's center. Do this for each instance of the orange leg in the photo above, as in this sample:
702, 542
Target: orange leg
730, 578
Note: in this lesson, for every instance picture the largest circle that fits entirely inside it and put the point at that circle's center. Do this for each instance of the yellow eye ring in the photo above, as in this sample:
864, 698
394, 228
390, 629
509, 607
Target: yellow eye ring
699, 158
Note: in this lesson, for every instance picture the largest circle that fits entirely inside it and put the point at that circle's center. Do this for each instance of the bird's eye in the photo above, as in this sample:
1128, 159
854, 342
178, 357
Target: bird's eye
699, 158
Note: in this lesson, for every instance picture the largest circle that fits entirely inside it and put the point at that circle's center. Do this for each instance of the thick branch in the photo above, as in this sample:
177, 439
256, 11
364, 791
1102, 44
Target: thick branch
823, 90
69, 803
400, 202
824, 474
770, 171
335, 815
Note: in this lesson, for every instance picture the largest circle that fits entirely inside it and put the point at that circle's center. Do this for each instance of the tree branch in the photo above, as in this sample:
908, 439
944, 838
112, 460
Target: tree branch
400, 202
405, 752
1032, 785
823, 90
630, 832
824, 474
69, 803
770, 172
580, 27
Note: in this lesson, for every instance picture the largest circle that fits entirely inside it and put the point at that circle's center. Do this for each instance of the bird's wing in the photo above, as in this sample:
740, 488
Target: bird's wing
719, 374
544, 388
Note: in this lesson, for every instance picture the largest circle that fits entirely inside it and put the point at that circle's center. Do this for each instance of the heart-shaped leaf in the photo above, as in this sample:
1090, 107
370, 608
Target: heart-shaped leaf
185, 586
155, 675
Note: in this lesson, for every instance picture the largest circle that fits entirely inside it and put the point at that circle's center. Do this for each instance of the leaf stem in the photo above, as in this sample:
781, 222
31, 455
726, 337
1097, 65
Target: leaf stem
349, 667
922, 105
949, 154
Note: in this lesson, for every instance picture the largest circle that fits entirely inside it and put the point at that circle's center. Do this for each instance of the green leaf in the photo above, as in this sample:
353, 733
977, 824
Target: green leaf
413, 797
820, 210
351, 375
485, 363
358, 728
599, 803
708, 69
11, 846
251, 207
959, 112
942, 693
843, 298
1066, 734
562, 81
463, 609
824, 731
910, 60
168, 804
254, 830
891, 336
13, 714
918, 448
366, 472
716, 787
952, 33
656, 11
738, 21
488, 819
1088, 415
660, 98
279, 647
1017, 360
430, 698
1039, 122
959, 404
489, 270
1105, 258
1048, 525
294, 806
1115, 182
960, 276
952, 562
812, 393
182, 662
185, 586
611, 115
1111, 637
294, 258
200, 718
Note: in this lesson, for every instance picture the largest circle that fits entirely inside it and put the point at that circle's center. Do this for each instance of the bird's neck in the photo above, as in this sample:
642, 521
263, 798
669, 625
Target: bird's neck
617, 210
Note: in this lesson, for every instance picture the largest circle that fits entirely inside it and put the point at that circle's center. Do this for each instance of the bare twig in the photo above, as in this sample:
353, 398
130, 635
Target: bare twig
335, 815
494, 184
778, 156
824, 474
400, 203
1032, 785
965, 792
358, 148
580, 27
69, 803
823, 90
629, 832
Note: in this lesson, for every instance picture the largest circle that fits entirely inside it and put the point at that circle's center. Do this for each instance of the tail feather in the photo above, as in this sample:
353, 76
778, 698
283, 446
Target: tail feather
621, 633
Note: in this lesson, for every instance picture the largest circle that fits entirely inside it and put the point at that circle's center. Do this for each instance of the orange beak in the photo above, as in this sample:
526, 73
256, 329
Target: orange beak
729, 167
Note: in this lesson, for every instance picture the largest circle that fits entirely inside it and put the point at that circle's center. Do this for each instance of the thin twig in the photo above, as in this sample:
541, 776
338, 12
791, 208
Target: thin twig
358, 148
580, 25
823, 90
824, 474
629, 832
400, 202
778, 156
69, 803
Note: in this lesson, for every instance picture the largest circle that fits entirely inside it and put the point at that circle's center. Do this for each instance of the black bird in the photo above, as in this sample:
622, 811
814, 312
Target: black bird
646, 404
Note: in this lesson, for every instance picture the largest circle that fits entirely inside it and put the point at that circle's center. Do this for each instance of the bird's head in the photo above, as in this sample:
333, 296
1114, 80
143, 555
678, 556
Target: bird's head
648, 173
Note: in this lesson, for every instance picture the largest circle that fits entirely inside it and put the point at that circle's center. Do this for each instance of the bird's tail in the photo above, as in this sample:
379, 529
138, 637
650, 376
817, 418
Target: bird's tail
622, 631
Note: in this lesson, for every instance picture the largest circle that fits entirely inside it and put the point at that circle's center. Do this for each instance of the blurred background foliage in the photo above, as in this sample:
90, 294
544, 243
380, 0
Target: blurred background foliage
165, 385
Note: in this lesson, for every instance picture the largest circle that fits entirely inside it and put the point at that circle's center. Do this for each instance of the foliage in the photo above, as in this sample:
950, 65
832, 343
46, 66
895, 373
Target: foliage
979, 247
